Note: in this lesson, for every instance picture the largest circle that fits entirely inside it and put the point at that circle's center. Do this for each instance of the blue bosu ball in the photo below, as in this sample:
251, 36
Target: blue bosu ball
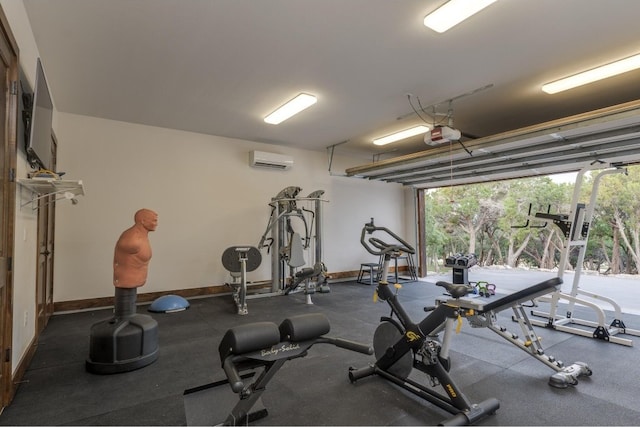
168, 304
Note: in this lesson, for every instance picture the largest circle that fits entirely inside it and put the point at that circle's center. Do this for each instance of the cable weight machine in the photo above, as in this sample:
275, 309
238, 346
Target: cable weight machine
295, 227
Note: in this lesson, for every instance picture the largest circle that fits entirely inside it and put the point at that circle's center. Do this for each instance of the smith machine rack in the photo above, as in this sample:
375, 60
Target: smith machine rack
575, 229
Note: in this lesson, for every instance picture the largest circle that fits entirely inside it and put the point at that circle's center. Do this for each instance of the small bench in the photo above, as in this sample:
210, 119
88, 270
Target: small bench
485, 305
267, 346
370, 271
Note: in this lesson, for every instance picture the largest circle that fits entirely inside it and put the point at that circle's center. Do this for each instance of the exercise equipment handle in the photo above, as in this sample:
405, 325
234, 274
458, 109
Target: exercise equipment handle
378, 247
232, 375
348, 345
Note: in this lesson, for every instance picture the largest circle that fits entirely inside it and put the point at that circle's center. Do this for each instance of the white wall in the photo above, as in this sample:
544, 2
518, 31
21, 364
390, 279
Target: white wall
24, 270
207, 197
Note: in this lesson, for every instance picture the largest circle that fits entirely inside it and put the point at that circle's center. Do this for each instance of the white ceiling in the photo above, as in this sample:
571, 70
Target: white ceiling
219, 66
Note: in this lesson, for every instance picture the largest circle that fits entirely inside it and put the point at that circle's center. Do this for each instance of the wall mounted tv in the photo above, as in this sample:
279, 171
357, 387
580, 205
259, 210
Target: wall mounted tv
38, 116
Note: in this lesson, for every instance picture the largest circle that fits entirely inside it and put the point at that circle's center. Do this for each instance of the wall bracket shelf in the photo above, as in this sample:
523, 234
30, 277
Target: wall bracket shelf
60, 188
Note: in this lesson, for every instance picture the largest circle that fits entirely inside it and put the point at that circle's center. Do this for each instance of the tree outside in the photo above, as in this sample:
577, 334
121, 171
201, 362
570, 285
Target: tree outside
496, 221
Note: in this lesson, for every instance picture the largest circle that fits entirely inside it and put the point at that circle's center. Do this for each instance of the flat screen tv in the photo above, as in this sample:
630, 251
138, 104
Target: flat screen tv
38, 144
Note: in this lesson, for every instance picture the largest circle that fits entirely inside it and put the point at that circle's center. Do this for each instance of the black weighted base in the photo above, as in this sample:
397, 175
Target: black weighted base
126, 342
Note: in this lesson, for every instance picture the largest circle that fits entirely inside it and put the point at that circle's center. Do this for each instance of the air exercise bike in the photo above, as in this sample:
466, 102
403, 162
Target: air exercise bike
400, 345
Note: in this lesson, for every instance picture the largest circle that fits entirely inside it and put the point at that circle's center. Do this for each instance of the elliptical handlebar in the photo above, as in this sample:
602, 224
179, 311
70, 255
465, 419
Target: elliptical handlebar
378, 247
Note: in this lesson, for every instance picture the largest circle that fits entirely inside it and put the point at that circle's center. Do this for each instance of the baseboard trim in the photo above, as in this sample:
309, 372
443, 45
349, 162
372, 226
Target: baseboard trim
60, 307
105, 302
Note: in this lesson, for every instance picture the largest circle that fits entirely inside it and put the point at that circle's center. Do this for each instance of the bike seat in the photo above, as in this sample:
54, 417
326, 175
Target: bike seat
456, 291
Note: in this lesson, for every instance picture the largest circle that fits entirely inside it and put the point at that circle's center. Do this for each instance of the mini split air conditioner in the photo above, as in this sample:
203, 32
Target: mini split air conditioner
441, 134
262, 159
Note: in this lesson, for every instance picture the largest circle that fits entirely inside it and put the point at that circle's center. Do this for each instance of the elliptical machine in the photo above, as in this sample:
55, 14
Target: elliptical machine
400, 345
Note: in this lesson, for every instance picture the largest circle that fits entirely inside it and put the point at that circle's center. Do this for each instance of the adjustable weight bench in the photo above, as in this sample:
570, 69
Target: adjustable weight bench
481, 313
267, 346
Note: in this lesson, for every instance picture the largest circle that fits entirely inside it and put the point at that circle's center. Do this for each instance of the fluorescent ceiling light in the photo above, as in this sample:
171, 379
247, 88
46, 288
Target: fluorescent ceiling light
453, 12
292, 107
417, 130
595, 74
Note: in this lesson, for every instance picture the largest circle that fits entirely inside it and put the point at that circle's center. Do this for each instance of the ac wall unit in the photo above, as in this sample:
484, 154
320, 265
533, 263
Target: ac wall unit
262, 159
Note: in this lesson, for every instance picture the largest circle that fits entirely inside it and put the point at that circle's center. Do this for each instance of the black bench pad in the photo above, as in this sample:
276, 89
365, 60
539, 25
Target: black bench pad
523, 295
304, 327
247, 338
261, 335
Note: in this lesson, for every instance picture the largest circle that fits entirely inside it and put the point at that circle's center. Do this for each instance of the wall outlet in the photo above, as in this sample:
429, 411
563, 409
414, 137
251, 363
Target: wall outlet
26, 318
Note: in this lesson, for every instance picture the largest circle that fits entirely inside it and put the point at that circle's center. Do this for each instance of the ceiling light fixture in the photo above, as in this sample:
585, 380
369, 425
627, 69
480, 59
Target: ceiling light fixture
595, 74
453, 12
403, 134
291, 108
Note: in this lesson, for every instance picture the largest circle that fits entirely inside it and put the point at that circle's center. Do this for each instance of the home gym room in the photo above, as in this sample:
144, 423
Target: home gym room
164, 105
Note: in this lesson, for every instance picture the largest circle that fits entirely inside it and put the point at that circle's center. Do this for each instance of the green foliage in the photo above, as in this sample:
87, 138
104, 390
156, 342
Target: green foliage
497, 221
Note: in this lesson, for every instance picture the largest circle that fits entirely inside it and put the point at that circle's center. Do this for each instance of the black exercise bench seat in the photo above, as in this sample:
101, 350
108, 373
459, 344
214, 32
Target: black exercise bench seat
479, 313
263, 343
265, 347
523, 295
484, 305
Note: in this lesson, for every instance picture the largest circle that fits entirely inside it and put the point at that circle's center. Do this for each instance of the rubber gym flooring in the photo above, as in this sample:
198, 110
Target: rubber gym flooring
315, 390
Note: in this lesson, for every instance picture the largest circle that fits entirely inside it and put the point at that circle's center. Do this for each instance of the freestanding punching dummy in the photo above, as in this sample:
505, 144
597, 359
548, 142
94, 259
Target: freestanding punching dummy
128, 340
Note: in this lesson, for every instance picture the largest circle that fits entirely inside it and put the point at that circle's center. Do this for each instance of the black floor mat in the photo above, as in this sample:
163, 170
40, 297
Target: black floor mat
315, 390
